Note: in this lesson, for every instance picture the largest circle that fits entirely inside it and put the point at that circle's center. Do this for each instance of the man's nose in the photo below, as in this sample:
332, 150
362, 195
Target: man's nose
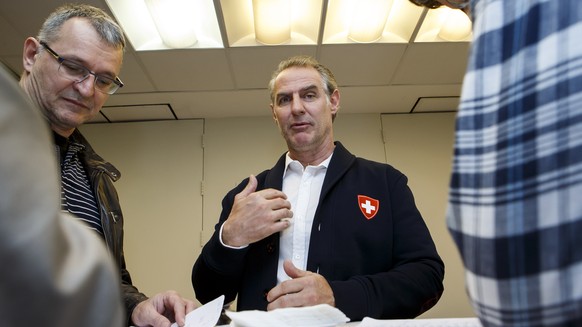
297, 104
86, 86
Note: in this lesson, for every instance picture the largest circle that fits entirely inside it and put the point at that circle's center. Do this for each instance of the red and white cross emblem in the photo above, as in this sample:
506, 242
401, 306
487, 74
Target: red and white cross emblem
368, 206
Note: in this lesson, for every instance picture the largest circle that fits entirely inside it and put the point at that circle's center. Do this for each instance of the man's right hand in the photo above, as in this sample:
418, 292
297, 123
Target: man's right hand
256, 215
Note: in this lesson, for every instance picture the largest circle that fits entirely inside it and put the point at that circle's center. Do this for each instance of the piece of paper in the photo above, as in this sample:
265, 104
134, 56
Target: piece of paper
435, 322
321, 315
206, 315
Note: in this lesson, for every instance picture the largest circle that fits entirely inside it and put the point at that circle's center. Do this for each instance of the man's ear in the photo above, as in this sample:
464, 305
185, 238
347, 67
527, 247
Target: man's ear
273, 112
334, 100
31, 48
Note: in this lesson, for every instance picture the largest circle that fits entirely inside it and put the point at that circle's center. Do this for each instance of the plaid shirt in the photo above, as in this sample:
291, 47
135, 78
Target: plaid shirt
515, 206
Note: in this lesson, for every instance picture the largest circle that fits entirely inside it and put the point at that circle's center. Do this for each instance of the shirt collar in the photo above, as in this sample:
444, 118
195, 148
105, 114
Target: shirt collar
289, 161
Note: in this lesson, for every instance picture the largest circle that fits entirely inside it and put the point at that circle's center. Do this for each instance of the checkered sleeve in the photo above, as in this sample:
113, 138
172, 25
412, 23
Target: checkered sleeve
515, 202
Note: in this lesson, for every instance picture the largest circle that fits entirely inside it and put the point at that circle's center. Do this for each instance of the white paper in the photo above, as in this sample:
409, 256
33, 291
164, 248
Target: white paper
321, 315
206, 315
435, 322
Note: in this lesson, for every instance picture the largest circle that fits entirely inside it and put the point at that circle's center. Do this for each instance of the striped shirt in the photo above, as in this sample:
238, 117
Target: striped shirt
76, 194
515, 205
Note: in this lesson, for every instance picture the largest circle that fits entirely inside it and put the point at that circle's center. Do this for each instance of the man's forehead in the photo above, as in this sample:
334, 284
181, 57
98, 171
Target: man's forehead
295, 80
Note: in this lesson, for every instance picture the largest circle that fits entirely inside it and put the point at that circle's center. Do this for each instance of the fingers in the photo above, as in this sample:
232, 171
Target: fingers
179, 308
256, 215
146, 313
190, 306
286, 288
156, 310
250, 188
293, 271
272, 194
179, 305
304, 289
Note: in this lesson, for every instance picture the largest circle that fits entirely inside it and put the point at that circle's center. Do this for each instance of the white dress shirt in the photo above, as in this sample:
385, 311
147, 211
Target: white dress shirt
302, 185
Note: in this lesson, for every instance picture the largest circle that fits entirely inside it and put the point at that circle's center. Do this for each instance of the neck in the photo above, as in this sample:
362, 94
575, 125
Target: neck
312, 158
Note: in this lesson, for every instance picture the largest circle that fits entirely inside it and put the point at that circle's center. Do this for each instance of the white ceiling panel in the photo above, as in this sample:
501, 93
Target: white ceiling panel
433, 63
187, 70
366, 65
252, 66
134, 76
232, 82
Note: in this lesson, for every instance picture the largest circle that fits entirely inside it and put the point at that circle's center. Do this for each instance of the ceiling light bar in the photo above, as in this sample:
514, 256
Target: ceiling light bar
445, 25
271, 22
145, 23
366, 21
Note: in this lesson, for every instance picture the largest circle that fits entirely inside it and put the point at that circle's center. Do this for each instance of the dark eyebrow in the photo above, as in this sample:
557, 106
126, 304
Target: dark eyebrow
309, 88
80, 61
302, 90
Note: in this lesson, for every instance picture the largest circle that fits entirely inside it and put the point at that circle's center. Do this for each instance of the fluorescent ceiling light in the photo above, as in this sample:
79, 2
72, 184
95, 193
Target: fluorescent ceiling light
365, 21
173, 20
271, 22
198, 25
284, 22
445, 24
369, 20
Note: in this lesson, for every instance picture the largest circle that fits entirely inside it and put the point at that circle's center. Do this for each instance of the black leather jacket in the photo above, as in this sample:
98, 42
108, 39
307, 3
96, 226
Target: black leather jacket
101, 175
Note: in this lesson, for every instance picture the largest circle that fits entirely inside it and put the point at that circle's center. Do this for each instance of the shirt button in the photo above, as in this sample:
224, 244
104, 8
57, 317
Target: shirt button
270, 248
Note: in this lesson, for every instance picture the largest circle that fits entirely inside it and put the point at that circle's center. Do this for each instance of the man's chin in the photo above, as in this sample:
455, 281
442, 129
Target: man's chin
75, 121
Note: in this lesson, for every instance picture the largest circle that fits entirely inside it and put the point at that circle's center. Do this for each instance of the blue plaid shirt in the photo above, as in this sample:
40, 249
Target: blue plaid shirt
515, 206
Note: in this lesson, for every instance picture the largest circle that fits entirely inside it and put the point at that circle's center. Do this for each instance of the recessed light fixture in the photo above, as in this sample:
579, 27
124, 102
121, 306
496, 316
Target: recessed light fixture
168, 24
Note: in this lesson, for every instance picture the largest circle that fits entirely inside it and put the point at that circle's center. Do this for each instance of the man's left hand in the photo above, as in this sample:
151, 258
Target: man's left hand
305, 288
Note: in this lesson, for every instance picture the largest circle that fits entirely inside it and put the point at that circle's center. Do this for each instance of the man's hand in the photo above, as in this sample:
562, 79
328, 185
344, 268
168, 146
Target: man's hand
305, 288
256, 215
162, 310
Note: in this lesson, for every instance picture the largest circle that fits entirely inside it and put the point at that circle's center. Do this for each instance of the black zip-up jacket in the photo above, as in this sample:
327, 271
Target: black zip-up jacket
101, 175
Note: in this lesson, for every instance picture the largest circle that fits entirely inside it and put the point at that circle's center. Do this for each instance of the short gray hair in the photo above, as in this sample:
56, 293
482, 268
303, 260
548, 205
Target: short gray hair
328, 80
103, 24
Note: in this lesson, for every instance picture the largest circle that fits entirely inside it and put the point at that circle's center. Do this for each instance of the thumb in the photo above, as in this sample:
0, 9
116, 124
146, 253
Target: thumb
293, 271
250, 188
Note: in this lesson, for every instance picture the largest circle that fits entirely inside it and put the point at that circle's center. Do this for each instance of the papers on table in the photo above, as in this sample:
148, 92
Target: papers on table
206, 315
435, 322
322, 315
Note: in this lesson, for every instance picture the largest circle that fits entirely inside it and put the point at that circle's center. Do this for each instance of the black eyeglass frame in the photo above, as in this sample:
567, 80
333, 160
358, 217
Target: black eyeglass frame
60, 60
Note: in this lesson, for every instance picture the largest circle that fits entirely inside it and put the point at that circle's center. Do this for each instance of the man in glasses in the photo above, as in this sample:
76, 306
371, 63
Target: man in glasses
70, 69
515, 202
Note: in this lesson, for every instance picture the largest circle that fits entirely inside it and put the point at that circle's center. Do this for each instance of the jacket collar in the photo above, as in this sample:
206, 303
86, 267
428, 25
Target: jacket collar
92, 159
340, 162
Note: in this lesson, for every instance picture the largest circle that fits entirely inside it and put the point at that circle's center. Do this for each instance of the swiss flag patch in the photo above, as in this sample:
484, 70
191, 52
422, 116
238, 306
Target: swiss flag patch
368, 206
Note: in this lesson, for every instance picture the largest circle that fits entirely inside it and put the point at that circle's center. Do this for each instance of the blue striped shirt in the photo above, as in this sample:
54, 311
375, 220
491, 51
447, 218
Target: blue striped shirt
76, 194
515, 202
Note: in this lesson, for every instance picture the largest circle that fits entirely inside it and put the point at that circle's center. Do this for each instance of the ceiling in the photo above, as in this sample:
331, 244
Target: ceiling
231, 82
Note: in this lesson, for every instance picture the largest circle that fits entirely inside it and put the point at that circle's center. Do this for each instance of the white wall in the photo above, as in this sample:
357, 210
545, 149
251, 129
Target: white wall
161, 175
163, 165
421, 146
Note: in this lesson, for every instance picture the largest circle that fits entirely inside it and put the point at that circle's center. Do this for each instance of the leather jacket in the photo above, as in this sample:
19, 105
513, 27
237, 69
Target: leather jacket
101, 175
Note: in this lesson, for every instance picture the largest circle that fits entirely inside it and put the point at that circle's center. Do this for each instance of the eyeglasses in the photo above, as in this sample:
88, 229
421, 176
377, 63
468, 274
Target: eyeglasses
78, 73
